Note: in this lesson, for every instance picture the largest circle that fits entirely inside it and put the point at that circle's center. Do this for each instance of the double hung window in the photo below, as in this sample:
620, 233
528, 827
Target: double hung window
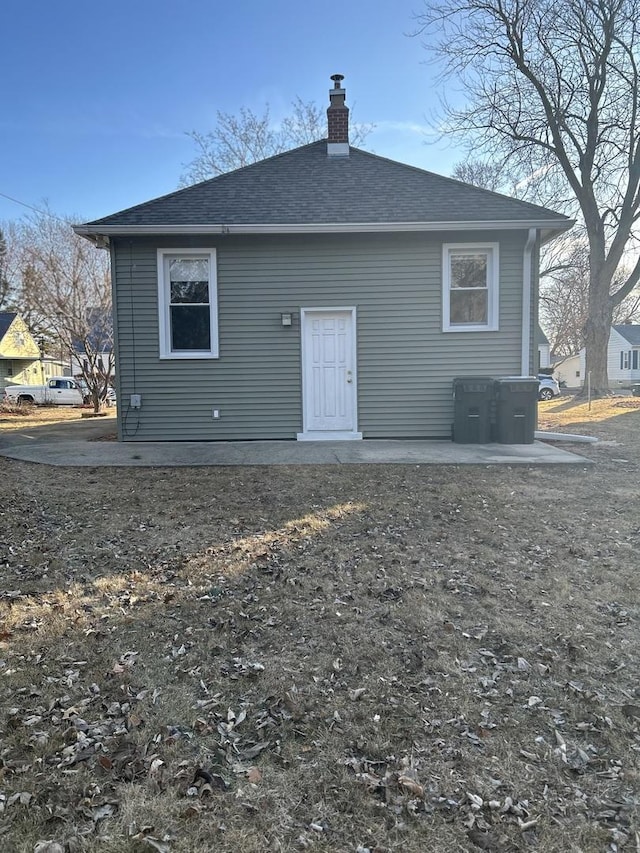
470, 287
187, 299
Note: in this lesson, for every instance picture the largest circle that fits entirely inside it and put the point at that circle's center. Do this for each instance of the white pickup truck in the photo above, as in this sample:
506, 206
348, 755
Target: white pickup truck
59, 391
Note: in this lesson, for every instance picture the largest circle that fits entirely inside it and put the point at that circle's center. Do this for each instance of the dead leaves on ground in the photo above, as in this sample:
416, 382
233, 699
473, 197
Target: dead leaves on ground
101, 743
389, 639
109, 734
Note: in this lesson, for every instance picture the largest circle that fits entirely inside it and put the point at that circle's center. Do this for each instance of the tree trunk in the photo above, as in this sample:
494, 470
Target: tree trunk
596, 336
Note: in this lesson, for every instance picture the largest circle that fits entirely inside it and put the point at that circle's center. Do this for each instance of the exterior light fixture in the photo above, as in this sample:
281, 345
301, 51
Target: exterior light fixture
286, 319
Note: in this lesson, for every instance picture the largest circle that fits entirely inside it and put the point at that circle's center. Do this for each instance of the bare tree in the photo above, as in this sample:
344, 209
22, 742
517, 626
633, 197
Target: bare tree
246, 137
564, 292
554, 89
564, 270
564, 297
485, 174
65, 292
5, 286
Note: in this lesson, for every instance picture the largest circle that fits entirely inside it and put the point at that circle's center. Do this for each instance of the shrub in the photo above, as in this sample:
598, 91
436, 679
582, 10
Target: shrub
7, 407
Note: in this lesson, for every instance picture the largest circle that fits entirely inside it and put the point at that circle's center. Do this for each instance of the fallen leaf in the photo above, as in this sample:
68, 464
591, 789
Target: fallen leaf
192, 810
22, 797
483, 840
476, 801
252, 751
205, 782
102, 812
411, 785
156, 844
69, 712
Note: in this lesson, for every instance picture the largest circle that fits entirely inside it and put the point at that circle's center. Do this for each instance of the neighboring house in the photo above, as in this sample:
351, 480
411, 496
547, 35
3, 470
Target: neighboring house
324, 293
544, 348
80, 362
53, 366
20, 358
99, 341
568, 371
623, 356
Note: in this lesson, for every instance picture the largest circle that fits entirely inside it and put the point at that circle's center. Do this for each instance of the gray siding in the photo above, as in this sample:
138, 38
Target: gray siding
405, 362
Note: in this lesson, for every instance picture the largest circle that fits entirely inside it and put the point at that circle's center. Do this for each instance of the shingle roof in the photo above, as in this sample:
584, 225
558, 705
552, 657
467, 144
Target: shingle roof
305, 186
630, 333
6, 319
540, 336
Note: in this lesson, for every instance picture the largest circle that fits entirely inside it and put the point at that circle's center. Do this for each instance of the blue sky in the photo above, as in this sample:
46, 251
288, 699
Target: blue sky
97, 98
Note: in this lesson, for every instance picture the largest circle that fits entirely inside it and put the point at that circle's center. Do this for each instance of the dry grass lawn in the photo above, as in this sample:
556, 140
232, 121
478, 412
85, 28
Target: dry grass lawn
365, 658
28, 417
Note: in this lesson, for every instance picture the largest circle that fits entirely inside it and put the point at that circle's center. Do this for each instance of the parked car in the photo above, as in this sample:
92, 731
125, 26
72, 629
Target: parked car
59, 391
548, 387
110, 397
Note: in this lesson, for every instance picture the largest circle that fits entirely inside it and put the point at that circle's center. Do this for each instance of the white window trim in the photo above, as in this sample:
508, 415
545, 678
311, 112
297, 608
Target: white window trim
164, 320
493, 277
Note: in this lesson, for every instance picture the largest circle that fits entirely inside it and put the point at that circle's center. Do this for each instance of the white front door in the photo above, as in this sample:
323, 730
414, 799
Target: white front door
329, 374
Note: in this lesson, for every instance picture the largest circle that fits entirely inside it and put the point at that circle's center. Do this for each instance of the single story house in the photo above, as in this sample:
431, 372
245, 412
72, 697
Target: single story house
544, 349
323, 293
623, 356
568, 371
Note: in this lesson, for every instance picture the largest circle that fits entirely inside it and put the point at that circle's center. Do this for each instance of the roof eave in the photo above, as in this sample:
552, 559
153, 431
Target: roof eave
549, 228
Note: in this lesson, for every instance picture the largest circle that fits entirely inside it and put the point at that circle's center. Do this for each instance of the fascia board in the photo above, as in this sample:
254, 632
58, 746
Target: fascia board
554, 226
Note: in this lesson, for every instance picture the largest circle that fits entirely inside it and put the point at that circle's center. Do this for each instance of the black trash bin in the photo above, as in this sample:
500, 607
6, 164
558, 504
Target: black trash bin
516, 409
472, 409
635, 390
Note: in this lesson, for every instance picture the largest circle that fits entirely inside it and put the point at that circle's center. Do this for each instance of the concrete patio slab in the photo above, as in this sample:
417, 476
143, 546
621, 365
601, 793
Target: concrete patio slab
66, 449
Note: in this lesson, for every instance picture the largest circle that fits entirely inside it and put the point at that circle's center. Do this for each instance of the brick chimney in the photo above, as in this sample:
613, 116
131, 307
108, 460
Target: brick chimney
337, 120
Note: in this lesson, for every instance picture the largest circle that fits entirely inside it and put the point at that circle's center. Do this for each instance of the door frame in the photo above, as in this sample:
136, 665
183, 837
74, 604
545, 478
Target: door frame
328, 435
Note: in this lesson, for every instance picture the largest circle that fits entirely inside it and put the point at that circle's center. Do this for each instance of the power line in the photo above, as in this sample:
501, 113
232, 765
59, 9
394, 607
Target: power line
35, 209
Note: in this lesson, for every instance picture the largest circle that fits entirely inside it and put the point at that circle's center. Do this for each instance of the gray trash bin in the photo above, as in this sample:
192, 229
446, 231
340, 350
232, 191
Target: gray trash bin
472, 409
516, 409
